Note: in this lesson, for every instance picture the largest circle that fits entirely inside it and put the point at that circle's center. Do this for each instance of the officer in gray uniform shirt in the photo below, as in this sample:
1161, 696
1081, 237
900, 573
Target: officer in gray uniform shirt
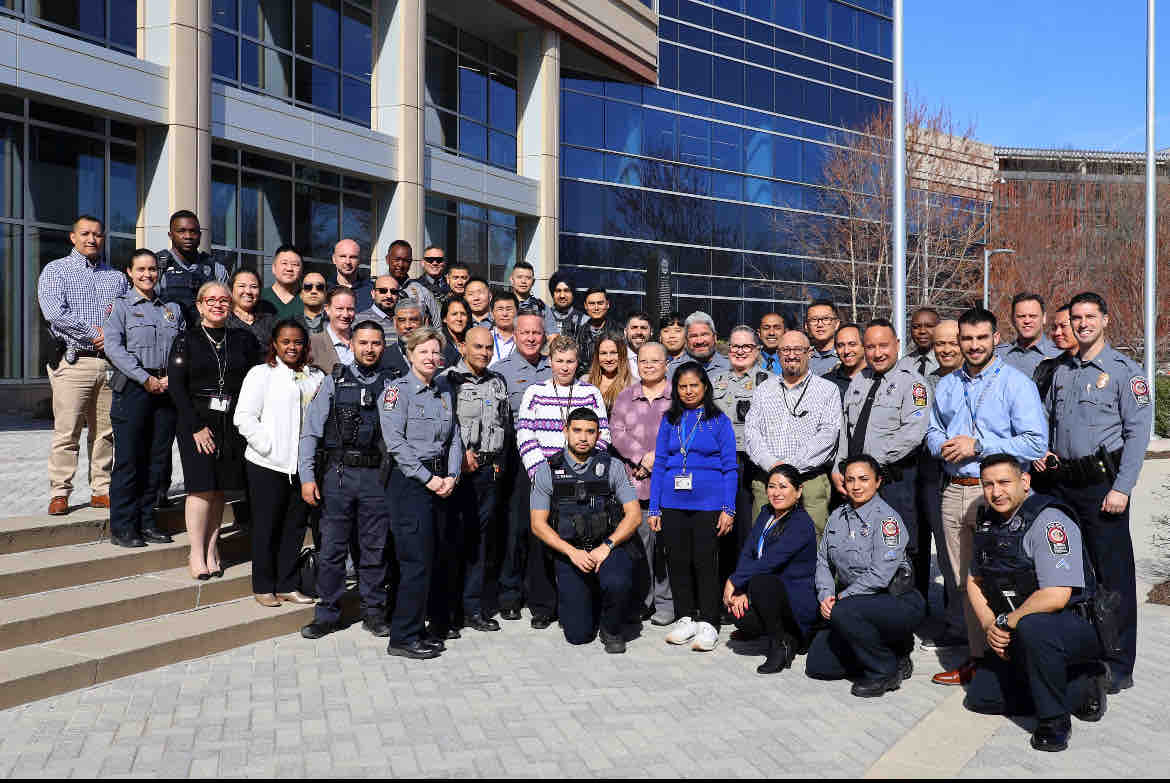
481, 406
865, 587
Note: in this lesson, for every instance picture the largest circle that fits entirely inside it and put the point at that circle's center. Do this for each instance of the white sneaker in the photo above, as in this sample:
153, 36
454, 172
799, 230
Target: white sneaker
706, 637
683, 631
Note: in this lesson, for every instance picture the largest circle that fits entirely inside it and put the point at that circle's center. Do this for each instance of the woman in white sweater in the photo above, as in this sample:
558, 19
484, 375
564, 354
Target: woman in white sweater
268, 415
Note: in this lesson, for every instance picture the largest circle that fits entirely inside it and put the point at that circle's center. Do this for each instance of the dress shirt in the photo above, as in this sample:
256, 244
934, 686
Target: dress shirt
633, 424
1026, 359
782, 426
76, 295
1000, 407
821, 362
344, 352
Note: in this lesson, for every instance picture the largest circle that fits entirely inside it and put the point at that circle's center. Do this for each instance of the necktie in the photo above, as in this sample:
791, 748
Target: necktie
922, 365
857, 435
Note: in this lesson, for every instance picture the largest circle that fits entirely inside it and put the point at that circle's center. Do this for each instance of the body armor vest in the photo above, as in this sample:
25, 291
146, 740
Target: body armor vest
353, 422
183, 284
585, 507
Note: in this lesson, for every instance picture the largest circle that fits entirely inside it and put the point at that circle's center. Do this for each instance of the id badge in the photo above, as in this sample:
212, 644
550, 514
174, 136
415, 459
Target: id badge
683, 481
220, 402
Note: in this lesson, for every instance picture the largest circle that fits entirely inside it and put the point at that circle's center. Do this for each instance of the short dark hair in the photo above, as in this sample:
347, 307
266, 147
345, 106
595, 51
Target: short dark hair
822, 303
453, 265
1063, 307
478, 279
639, 315
674, 318
429, 248
927, 309
1027, 296
848, 325
368, 324
286, 248
459, 300
182, 214
1000, 458
337, 291
1089, 297
142, 251
287, 323
400, 243
581, 414
506, 296
864, 459
977, 315
595, 290
87, 217
883, 323
523, 265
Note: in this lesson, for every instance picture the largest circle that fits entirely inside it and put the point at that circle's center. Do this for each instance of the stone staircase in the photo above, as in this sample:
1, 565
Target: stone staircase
75, 610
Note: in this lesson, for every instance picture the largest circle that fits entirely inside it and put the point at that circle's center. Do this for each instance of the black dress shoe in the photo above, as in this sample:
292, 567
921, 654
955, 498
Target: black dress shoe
1093, 708
317, 629
161, 500
510, 613
156, 537
1119, 684
417, 650
779, 657
130, 542
477, 622
905, 667
376, 626
614, 644
540, 621
1051, 735
868, 689
452, 633
434, 642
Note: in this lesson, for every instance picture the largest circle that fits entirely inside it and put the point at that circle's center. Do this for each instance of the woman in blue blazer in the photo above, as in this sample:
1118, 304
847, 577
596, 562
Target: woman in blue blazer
772, 591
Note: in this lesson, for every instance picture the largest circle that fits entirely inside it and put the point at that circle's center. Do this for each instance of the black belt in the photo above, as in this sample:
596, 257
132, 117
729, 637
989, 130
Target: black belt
813, 473
437, 466
159, 373
485, 460
1094, 469
88, 353
893, 470
352, 458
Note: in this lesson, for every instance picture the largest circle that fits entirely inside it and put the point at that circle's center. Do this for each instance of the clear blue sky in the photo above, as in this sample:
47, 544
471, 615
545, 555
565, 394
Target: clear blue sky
1041, 73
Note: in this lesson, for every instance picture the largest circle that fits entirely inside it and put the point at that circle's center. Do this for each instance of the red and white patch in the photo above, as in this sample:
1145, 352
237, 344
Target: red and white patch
890, 527
919, 392
1140, 389
1057, 538
390, 398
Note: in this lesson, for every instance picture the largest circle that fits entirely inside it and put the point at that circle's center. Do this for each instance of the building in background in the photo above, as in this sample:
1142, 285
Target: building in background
290, 121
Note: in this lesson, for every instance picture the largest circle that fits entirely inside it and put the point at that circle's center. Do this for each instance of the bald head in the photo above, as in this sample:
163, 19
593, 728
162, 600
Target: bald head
477, 348
794, 349
347, 254
946, 345
385, 293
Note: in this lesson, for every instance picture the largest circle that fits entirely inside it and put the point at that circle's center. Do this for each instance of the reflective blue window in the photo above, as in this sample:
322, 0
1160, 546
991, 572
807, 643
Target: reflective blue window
668, 66
587, 124
725, 147
759, 92
815, 156
623, 127
658, 134
843, 21
787, 13
694, 141
728, 80
761, 9
693, 12
694, 36
731, 24
786, 157
729, 47
757, 152
760, 33
789, 95
623, 169
581, 207
816, 102
694, 72
586, 164
816, 18
727, 186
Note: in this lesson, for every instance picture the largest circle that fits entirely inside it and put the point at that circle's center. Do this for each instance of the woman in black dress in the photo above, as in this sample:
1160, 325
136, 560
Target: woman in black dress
207, 367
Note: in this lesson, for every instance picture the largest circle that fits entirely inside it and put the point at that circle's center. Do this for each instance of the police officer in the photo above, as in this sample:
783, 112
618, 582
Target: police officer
866, 589
342, 464
1030, 586
184, 267
887, 411
434, 277
398, 261
1100, 408
139, 332
408, 316
481, 405
525, 366
586, 512
421, 432
733, 390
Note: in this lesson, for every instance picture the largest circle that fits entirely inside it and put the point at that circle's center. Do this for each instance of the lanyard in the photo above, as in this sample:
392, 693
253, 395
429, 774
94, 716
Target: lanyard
979, 402
760, 546
220, 363
568, 401
792, 408
685, 440
496, 343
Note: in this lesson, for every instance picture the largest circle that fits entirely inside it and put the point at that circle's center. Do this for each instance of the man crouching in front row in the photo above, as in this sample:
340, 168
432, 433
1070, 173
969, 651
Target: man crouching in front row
585, 510
1031, 587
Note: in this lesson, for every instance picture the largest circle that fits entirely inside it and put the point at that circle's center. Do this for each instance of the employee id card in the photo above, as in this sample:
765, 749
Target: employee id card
220, 402
683, 481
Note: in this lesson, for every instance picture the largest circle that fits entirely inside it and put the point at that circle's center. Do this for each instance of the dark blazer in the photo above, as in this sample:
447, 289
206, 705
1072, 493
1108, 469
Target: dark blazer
790, 552
323, 353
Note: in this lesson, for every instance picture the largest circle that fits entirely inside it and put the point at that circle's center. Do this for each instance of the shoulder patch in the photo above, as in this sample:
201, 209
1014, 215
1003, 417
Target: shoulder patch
1141, 390
390, 398
1057, 538
890, 532
919, 392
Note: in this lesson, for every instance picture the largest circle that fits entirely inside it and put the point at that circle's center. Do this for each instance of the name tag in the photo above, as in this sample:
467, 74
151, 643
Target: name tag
683, 481
220, 402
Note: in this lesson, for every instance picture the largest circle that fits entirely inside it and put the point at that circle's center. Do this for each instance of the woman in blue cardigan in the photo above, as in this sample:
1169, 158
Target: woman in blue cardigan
692, 501
772, 592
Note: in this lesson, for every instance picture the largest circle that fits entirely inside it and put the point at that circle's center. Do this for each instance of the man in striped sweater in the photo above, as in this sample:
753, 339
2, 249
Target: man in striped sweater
540, 433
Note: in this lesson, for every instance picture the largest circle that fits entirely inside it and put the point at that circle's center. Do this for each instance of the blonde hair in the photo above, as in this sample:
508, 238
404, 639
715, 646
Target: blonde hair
203, 289
562, 342
421, 335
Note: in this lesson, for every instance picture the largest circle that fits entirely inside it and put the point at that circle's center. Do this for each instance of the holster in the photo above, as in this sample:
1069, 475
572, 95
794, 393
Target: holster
902, 581
56, 353
1104, 611
118, 380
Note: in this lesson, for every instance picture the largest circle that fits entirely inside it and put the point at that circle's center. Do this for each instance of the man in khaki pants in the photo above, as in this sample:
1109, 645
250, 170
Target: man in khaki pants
984, 407
76, 294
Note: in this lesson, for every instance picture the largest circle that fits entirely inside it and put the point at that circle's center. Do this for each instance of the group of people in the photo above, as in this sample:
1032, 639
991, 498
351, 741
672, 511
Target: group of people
476, 451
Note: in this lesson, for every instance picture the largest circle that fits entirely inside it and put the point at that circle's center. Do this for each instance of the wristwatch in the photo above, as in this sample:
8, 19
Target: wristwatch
978, 447
609, 543
1001, 622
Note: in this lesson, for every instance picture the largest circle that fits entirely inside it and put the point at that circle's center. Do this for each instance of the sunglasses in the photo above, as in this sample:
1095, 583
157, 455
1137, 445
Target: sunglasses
387, 291
313, 286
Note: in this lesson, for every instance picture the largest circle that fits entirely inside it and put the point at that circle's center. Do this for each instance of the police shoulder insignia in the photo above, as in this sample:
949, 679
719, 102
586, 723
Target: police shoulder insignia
890, 531
919, 392
1141, 390
390, 398
599, 470
167, 314
1057, 538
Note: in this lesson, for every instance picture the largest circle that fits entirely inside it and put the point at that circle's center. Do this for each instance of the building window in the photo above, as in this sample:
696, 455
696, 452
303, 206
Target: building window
259, 203
109, 23
314, 53
484, 239
54, 165
471, 96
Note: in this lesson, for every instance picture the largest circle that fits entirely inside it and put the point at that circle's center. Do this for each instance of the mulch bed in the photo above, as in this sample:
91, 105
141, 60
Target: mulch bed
1160, 594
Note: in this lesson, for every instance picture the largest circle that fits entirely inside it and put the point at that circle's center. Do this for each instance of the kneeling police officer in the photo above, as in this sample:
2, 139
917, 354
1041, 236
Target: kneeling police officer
348, 473
585, 510
1032, 588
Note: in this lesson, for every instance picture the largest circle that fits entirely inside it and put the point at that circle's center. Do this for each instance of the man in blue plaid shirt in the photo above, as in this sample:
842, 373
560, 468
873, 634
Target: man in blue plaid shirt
76, 293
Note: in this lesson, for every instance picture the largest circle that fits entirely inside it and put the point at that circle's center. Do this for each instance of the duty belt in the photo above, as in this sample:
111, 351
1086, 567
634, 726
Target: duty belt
159, 373
486, 459
1095, 469
893, 470
354, 458
437, 466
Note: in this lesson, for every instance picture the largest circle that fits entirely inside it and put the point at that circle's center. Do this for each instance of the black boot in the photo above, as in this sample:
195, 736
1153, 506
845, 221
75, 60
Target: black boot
1051, 734
779, 656
1093, 708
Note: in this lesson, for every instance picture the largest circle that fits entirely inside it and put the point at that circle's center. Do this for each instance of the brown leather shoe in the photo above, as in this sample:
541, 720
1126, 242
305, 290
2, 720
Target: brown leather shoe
267, 599
58, 506
99, 501
959, 676
295, 597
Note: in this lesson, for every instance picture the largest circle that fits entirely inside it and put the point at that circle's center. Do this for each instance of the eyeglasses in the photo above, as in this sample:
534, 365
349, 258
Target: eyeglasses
223, 300
433, 259
313, 286
792, 351
741, 346
822, 319
387, 291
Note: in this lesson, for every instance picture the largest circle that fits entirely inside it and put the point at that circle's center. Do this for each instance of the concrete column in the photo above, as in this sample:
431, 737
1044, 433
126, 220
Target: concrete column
538, 143
175, 159
397, 105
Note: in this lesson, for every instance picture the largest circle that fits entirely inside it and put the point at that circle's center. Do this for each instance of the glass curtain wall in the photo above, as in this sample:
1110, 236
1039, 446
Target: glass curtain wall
54, 165
484, 239
719, 165
259, 203
314, 53
109, 23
